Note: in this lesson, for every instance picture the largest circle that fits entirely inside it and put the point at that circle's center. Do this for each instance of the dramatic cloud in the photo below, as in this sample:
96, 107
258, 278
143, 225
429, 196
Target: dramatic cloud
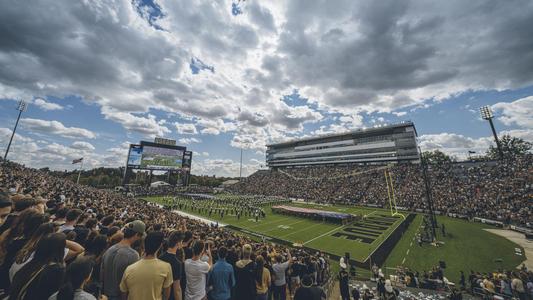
227, 68
519, 112
351, 57
459, 145
56, 128
146, 126
42, 104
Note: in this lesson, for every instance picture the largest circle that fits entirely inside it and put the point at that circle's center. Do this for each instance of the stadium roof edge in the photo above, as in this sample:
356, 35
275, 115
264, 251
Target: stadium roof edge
401, 124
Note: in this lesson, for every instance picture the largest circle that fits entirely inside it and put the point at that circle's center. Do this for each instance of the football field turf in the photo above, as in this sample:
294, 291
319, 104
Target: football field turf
467, 245
359, 240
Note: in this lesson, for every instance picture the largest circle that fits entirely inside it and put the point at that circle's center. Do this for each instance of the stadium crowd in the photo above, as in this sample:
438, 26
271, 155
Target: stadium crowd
60, 240
501, 191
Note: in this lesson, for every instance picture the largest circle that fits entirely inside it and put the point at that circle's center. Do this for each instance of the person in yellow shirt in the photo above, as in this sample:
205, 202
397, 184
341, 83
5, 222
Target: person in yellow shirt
150, 278
262, 279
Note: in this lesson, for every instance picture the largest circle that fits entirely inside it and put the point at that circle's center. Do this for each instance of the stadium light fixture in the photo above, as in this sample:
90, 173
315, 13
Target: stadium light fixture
486, 114
23, 106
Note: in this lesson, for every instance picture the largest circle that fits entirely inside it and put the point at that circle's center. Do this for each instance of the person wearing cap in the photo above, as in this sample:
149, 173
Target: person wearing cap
118, 257
309, 292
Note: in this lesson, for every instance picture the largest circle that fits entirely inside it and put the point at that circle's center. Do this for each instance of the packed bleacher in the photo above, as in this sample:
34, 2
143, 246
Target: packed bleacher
499, 191
60, 240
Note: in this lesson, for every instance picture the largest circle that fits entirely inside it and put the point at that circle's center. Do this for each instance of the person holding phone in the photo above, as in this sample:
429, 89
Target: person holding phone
196, 271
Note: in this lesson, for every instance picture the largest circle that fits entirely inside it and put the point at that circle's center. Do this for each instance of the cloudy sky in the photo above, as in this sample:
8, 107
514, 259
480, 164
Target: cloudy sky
220, 75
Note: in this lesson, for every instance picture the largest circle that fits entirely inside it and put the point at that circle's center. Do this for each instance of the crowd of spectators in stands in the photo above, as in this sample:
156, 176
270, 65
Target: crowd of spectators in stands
500, 191
60, 240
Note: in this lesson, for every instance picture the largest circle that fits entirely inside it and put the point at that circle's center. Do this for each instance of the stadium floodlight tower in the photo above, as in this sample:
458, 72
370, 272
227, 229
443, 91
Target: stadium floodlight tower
486, 114
21, 108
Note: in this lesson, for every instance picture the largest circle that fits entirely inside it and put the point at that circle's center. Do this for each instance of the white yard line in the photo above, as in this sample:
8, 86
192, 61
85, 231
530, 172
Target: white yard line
267, 223
370, 214
275, 228
309, 241
283, 236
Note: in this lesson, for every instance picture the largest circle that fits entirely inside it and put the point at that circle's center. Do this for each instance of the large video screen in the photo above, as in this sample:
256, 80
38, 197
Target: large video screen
161, 157
135, 155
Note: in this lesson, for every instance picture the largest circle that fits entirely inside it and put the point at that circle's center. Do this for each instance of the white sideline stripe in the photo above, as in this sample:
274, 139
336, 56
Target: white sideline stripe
283, 236
198, 218
403, 261
309, 241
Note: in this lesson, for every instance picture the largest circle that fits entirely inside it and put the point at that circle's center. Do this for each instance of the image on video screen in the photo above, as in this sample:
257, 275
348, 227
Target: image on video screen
161, 158
135, 157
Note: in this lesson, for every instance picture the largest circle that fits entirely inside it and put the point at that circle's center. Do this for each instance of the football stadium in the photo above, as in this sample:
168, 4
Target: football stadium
266, 150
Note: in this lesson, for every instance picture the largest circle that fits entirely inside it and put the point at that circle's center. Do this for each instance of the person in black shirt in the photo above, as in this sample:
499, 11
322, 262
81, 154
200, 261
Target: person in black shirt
343, 283
43, 275
309, 292
174, 245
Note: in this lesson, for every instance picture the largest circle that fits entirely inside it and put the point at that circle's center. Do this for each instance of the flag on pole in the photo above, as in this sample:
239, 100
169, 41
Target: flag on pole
76, 161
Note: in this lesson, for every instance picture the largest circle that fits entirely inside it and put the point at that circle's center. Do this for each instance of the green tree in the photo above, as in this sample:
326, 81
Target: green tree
511, 147
436, 157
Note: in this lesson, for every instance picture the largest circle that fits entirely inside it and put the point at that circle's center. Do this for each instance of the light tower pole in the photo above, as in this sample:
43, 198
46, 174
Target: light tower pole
486, 114
240, 169
21, 107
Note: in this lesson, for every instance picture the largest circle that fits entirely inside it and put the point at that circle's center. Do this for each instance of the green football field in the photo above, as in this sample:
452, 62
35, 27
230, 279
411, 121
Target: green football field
316, 234
467, 246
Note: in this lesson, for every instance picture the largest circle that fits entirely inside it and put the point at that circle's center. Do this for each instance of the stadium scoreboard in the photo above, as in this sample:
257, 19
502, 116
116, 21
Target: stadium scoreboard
159, 155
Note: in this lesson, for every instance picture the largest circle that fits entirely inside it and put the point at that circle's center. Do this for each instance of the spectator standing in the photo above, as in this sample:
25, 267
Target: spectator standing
343, 282
150, 278
43, 275
262, 279
71, 220
196, 271
280, 284
16, 237
245, 287
78, 273
390, 293
309, 292
118, 257
518, 286
221, 277
296, 271
5, 207
174, 244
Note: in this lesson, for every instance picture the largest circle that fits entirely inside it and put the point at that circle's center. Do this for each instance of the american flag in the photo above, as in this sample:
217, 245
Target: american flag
79, 160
